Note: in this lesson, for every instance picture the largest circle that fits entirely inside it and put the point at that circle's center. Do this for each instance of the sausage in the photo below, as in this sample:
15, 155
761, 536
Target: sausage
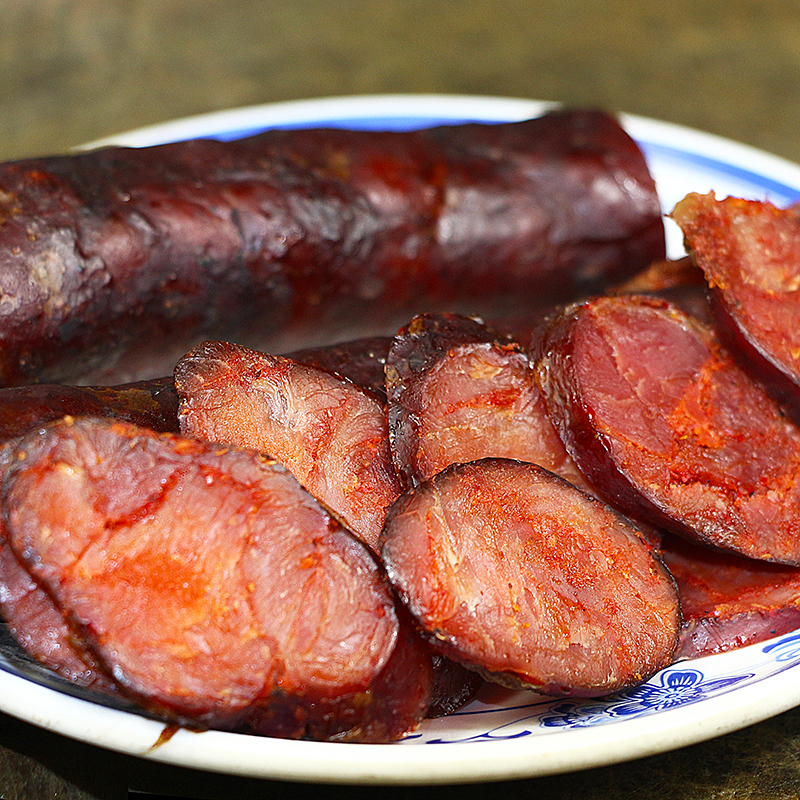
35, 624
729, 601
331, 435
362, 361
521, 576
660, 418
150, 404
680, 281
747, 250
26, 609
458, 392
115, 262
211, 586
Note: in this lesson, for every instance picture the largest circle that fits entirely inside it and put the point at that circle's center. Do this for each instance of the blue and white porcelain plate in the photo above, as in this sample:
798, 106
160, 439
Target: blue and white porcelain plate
501, 734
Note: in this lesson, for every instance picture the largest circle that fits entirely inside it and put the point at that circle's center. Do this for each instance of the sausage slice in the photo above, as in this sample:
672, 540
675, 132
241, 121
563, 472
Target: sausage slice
729, 601
523, 577
748, 251
663, 421
332, 435
459, 392
211, 586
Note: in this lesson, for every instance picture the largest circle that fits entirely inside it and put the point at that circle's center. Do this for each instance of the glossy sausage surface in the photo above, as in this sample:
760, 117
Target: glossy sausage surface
331, 434
116, 262
519, 575
212, 587
748, 251
661, 419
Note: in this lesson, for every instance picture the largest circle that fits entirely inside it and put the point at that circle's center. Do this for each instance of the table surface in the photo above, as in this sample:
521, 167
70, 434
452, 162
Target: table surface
76, 70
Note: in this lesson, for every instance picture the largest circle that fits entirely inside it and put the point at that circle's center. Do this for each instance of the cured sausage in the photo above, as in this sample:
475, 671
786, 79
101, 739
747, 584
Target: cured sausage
116, 262
331, 435
35, 623
362, 361
212, 587
518, 574
660, 418
748, 250
458, 392
26, 609
728, 601
151, 404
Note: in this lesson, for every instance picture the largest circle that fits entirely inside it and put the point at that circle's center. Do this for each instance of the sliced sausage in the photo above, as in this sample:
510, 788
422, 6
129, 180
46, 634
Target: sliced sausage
211, 586
523, 577
458, 392
115, 262
152, 404
33, 620
748, 250
27, 609
729, 601
661, 419
332, 435
362, 361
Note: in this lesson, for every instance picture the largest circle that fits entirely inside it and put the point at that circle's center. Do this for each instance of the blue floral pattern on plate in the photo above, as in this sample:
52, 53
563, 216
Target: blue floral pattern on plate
526, 714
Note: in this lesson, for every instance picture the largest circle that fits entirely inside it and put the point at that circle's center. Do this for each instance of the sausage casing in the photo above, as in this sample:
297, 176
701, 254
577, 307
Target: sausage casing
116, 262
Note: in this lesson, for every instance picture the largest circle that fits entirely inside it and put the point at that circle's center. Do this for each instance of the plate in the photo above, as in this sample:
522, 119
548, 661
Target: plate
501, 734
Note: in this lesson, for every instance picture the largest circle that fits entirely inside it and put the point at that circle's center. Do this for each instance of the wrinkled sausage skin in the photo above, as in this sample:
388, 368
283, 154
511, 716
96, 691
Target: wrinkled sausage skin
211, 586
523, 577
662, 421
116, 262
748, 251
332, 435
459, 392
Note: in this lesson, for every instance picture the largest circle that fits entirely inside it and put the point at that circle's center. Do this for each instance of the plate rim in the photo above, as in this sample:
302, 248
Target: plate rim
325, 762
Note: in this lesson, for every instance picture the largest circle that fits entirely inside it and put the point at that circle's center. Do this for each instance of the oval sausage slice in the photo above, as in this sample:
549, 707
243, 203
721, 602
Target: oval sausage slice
459, 392
748, 251
518, 574
729, 601
663, 421
211, 586
331, 435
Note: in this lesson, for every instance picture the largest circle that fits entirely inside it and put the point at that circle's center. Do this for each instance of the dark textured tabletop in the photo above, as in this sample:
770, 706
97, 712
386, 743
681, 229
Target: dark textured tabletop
72, 71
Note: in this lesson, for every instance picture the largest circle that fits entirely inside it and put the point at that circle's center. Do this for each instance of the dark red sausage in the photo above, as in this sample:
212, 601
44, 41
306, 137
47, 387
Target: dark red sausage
748, 250
521, 576
459, 392
27, 610
331, 435
729, 601
116, 262
362, 361
212, 586
663, 421
151, 404
34, 622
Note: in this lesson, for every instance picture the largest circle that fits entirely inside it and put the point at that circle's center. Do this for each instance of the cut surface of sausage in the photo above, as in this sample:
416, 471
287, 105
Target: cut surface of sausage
748, 251
458, 392
523, 577
729, 601
663, 421
211, 586
331, 435
362, 361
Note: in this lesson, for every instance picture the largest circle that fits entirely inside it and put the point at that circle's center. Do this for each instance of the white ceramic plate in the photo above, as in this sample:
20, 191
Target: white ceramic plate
503, 734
